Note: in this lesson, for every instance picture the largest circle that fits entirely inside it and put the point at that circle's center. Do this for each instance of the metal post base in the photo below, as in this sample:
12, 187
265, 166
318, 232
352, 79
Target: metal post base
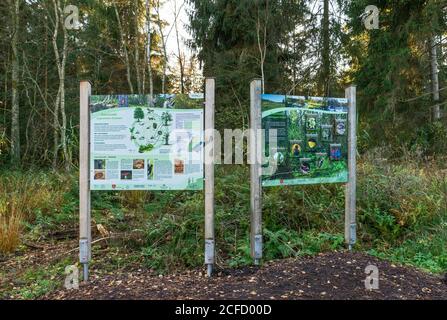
209, 270
85, 270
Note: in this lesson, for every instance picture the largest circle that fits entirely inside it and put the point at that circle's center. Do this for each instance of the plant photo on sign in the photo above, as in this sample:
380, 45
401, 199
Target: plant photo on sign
306, 166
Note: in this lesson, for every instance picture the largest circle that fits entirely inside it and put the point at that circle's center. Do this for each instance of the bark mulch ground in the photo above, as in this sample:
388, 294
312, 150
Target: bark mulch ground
336, 275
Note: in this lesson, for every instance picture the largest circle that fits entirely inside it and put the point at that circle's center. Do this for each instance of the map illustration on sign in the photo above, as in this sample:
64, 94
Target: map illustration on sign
138, 143
312, 139
151, 129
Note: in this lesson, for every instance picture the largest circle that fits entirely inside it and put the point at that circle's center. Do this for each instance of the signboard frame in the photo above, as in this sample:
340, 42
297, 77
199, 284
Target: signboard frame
256, 170
85, 239
143, 142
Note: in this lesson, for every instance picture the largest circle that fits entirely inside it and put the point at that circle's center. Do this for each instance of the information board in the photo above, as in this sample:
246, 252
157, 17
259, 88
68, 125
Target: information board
311, 139
139, 143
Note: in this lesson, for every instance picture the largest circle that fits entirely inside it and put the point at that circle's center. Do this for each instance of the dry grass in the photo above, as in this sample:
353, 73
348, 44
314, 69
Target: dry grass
10, 225
134, 199
34, 191
21, 197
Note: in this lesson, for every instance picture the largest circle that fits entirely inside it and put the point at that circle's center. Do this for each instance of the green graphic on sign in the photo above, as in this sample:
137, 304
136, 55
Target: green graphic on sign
312, 139
143, 144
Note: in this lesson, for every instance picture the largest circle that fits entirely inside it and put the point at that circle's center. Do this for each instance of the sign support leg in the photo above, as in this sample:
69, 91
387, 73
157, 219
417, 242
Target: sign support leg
351, 186
84, 179
255, 172
209, 175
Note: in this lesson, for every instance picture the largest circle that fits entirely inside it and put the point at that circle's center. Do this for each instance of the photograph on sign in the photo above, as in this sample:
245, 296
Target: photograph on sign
312, 139
138, 143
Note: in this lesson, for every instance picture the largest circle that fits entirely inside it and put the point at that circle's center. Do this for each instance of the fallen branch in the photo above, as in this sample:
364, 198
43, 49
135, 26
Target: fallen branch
33, 245
113, 236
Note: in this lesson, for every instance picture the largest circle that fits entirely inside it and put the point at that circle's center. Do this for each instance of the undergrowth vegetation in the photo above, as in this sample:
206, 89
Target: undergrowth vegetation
401, 216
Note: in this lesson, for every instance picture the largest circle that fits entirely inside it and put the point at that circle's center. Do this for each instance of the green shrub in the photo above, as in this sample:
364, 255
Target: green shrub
431, 138
399, 206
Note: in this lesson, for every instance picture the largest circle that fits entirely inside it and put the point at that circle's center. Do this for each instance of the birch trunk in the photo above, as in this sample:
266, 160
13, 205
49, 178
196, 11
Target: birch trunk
179, 52
15, 109
46, 117
126, 55
163, 43
436, 112
149, 67
262, 44
137, 49
165, 62
60, 98
56, 126
325, 77
67, 158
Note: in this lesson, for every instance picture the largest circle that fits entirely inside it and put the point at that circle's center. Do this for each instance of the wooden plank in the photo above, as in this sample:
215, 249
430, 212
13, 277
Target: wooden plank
209, 173
255, 172
351, 186
84, 173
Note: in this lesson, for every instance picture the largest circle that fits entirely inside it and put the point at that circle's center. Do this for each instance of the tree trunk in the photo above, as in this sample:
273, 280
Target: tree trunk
61, 64
67, 158
262, 44
60, 98
5, 97
326, 61
137, 48
165, 62
149, 67
56, 130
436, 112
179, 52
126, 55
15, 111
163, 43
46, 116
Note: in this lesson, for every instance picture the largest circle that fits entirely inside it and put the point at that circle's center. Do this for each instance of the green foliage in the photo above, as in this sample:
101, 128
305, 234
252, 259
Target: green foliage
401, 216
230, 51
391, 67
396, 200
395, 203
38, 281
173, 237
431, 139
289, 243
426, 250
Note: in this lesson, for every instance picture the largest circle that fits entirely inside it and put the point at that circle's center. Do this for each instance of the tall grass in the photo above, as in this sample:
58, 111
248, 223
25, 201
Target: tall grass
24, 197
401, 214
10, 225
399, 204
398, 200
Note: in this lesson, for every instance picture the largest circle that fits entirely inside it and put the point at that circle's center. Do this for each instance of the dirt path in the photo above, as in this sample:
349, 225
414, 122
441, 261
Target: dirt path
328, 276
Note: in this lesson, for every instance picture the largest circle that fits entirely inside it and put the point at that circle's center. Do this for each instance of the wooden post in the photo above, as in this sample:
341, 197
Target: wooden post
209, 175
351, 186
255, 172
84, 178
